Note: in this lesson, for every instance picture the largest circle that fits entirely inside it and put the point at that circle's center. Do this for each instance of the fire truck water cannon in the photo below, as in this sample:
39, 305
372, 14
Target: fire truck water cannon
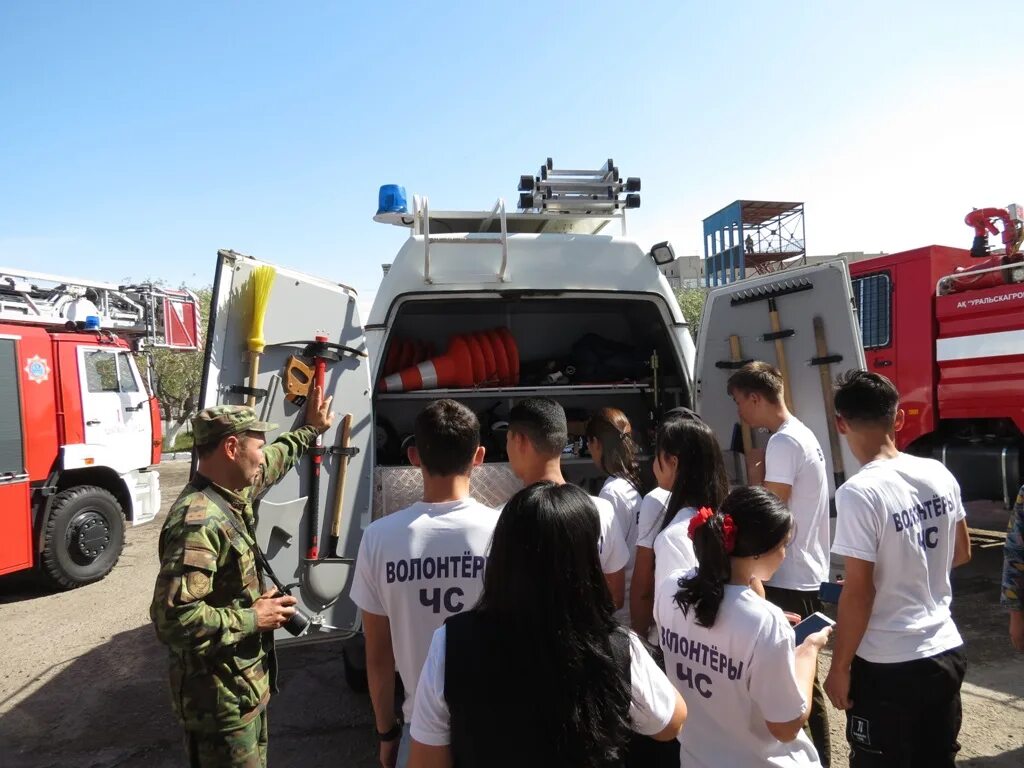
983, 221
998, 268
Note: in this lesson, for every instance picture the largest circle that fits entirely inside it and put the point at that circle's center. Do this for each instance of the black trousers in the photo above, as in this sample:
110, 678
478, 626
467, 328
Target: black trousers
804, 604
906, 715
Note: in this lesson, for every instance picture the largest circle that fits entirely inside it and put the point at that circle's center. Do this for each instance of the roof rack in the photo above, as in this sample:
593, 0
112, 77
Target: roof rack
558, 200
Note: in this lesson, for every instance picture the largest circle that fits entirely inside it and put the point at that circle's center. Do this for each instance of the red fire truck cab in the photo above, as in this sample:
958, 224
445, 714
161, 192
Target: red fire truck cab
79, 433
949, 332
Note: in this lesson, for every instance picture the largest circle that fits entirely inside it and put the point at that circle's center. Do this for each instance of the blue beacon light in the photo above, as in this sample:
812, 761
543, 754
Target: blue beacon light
392, 199
92, 322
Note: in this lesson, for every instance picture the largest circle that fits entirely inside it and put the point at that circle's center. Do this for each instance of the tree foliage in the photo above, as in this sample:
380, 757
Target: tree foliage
177, 376
691, 302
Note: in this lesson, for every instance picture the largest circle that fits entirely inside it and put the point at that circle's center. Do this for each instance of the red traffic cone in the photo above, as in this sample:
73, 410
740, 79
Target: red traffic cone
490, 366
452, 369
391, 363
512, 349
477, 356
500, 358
406, 354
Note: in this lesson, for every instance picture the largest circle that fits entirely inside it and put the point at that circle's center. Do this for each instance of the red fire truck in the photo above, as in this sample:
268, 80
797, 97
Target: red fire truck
949, 331
79, 433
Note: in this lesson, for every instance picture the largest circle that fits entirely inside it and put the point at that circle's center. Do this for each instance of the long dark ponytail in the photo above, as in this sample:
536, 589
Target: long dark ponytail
701, 479
760, 522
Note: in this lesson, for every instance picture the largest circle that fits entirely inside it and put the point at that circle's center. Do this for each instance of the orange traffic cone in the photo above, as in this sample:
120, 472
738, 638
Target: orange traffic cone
512, 349
490, 366
476, 353
452, 369
500, 358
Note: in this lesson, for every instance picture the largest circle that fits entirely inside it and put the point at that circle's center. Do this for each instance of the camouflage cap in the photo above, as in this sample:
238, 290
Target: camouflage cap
213, 424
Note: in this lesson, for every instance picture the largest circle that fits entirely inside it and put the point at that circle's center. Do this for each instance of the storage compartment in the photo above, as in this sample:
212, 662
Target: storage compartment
612, 367
984, 470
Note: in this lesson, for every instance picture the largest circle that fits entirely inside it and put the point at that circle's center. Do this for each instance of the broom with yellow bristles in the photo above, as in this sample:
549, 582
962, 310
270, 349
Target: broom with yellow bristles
262, 282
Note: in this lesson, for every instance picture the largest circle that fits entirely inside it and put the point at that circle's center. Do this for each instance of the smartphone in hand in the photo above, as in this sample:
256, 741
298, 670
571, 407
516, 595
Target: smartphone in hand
813, 623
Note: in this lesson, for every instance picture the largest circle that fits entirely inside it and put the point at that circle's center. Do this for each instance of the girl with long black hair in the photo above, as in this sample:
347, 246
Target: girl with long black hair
731, 651
539, 673
691, 474
612, 448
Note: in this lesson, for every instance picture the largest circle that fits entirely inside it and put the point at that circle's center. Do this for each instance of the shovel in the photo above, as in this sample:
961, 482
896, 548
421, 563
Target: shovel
327, 576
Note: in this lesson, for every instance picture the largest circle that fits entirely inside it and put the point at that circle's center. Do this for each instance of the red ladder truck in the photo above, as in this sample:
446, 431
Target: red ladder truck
79, 432
949, 331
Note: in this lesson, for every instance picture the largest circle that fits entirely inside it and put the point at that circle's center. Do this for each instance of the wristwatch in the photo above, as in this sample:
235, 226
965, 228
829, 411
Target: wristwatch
391, 735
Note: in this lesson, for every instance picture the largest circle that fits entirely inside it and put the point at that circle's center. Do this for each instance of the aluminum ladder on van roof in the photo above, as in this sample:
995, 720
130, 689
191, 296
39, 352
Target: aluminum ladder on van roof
421, 216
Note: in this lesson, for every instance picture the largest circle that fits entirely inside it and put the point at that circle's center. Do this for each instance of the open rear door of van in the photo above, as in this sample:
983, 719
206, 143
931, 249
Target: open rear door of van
806, 314
298, 309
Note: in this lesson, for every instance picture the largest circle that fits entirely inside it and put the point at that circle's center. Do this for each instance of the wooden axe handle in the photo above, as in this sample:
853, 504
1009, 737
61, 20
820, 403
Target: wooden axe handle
254, 374
736, 355
780, 354
339, 493
838, 467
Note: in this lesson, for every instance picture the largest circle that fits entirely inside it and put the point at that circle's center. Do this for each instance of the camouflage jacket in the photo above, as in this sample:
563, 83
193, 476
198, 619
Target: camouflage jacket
1013, 558
202, 604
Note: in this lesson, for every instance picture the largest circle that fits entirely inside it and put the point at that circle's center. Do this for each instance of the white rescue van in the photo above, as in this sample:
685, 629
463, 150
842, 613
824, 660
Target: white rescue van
593, 321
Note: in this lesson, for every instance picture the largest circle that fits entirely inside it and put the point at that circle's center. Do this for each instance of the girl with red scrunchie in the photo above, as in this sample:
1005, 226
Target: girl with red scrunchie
691, 474
730, 652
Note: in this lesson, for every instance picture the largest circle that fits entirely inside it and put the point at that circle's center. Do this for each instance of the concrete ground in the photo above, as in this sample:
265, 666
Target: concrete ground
82, 677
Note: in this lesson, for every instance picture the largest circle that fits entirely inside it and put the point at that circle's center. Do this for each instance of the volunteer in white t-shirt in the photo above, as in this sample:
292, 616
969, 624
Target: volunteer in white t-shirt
420, 565
540, 673
794, 470
687, 462
537, 434
612, 449
900, 525
729, 651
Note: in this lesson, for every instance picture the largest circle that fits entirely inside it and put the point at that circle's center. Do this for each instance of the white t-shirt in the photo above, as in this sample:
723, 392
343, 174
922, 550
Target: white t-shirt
625, 501
794, 457
611, 544
673, 547
652, 510
901, 514
733, 676
418, 567
652, 703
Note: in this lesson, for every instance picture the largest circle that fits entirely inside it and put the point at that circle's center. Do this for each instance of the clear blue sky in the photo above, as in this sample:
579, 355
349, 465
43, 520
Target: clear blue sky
138, 138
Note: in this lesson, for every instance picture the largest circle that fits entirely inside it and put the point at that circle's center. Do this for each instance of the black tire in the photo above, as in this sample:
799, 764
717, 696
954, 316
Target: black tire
83, 538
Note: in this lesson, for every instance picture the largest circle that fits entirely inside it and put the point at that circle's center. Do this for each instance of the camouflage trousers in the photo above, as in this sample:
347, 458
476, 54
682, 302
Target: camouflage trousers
244, 747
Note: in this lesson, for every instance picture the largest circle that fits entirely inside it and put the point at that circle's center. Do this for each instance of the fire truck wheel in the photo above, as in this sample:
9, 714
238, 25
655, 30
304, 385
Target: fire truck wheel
84, 537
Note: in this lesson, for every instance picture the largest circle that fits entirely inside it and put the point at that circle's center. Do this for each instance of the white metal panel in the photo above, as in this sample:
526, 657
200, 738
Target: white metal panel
546, 262
830, 298
300, 307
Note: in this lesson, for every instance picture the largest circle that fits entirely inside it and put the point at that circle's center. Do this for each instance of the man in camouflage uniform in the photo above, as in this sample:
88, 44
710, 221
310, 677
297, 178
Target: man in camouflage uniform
210, 605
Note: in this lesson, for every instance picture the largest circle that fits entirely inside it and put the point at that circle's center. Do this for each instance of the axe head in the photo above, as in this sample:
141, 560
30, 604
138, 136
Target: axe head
298, 377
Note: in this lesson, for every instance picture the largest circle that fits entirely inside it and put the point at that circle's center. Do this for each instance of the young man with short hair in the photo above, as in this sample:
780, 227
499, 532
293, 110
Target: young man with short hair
794, 470
418, 566
897, 662
537, 435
